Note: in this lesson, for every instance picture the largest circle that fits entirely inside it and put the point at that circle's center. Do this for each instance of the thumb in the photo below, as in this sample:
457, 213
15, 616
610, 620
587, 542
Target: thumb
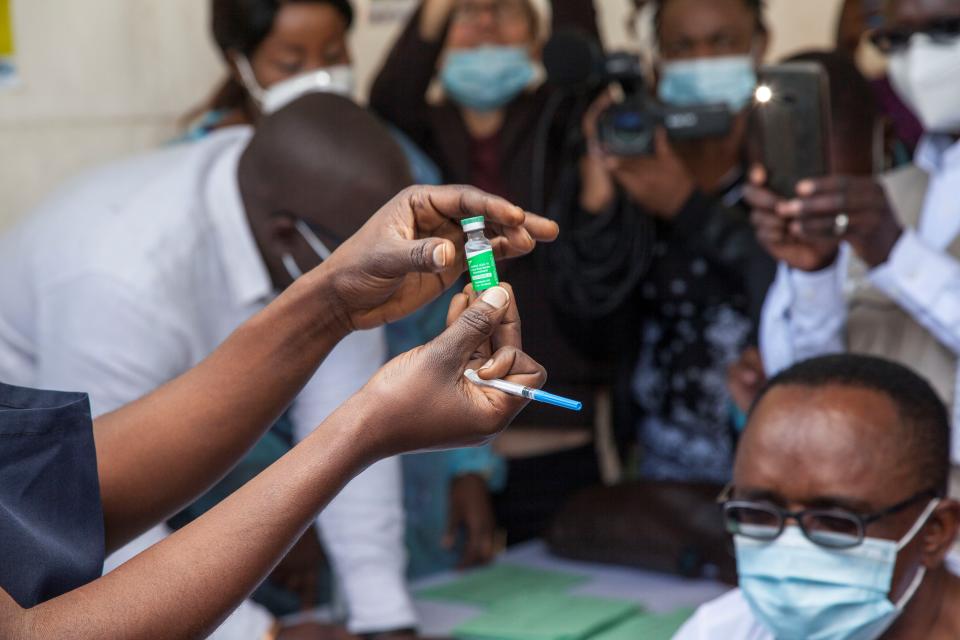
474, 326
397, 259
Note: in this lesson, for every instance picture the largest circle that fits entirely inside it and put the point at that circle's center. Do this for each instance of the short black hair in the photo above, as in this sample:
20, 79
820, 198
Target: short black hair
923, 415
757, 7
242, 25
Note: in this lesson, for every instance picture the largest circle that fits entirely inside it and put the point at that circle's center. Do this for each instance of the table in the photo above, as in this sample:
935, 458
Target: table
657, 592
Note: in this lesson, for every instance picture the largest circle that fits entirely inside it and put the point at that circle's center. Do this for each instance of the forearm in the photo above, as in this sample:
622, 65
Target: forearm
184, 586
399, 93
191, 431
804, 316
924, 282
433, 18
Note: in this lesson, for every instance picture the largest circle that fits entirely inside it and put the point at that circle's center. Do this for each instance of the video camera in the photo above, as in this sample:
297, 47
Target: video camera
575, 61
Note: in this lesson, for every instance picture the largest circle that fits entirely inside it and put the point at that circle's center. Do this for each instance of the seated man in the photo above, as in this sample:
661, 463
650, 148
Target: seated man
838, 512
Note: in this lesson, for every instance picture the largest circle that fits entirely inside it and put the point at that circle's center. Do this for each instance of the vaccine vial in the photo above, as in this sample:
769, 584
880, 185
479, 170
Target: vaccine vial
483, 268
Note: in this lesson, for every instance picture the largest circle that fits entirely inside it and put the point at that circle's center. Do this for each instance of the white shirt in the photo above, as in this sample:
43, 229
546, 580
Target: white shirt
726, 618
805, 314
729, 617
136, 273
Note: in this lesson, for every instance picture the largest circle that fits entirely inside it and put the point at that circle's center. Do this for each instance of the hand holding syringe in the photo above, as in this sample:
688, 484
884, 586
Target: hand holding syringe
521, 391
483, 274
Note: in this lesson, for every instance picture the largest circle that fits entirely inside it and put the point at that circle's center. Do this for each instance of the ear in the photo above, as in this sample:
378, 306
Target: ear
940, 534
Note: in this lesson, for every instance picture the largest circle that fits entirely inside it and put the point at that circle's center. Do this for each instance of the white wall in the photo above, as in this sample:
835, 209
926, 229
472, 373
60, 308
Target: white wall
104, 78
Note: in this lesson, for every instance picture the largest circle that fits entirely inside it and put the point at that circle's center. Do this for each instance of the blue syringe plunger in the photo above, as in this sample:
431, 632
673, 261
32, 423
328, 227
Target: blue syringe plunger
557, 401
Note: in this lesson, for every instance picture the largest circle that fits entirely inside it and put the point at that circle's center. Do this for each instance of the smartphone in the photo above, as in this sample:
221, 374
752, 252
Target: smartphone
791, 124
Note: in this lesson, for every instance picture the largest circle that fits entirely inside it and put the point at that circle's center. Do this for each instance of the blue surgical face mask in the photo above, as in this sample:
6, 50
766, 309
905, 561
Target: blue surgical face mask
486, 78
729, 80
802, 591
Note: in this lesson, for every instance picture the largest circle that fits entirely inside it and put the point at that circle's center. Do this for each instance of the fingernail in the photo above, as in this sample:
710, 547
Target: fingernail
486, 365
497, 297
804, 187
439, 256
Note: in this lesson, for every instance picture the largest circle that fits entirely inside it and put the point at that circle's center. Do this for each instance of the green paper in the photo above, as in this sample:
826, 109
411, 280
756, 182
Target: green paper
648, 627
502, 582
546, 616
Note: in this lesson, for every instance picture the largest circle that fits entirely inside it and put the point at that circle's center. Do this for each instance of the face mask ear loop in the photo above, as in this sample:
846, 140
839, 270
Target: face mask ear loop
912, 589
919, 524
249, 79
318, 247
291, 266
922, 571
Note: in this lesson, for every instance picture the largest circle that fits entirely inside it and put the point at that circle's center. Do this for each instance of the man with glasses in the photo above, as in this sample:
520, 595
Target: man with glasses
837, 511
137, 273
872, 265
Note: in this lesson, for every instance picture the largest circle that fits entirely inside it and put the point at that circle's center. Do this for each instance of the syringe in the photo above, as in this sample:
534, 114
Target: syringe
521, 391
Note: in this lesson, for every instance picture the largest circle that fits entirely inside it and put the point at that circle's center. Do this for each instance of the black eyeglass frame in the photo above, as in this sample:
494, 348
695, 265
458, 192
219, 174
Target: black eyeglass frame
941, 31
861, 520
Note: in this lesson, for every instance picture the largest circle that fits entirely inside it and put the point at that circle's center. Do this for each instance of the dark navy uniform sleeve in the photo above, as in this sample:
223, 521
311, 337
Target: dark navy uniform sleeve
51, 517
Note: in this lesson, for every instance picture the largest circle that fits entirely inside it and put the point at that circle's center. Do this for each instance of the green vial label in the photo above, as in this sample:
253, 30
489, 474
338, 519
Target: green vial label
483, 270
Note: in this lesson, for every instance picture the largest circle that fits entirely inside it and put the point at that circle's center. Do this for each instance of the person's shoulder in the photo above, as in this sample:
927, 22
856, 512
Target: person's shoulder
134, 211
173, 169
725, 618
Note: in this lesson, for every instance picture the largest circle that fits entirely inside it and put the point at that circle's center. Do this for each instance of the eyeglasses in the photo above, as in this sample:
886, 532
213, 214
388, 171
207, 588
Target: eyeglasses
834, 528
942, 31
502, 10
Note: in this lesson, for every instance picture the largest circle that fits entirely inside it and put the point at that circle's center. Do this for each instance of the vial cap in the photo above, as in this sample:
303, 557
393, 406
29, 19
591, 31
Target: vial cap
473, 224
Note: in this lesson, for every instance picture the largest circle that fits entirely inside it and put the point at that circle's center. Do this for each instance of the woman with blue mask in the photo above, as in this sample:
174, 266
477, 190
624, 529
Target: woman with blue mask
838, 511
483, 58
463, 82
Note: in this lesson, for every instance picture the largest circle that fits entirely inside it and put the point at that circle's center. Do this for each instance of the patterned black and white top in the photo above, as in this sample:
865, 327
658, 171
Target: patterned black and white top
682, 320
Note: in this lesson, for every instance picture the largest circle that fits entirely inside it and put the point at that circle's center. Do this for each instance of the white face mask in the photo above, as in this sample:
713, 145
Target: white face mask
338, 80
927, 78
